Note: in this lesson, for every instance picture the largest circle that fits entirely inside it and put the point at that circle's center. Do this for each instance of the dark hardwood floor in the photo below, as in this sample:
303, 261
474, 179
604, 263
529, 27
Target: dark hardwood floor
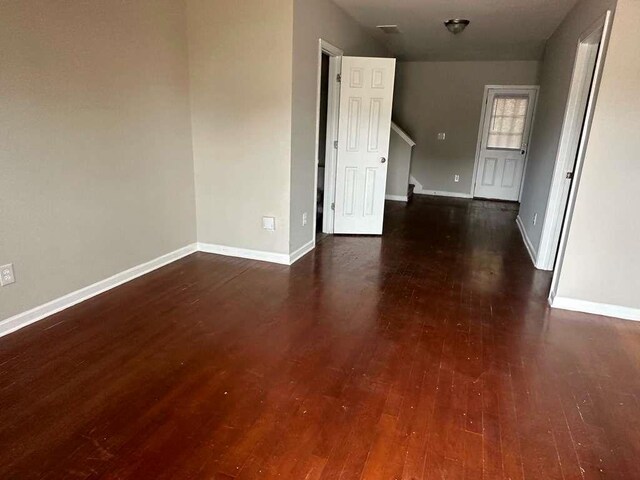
427, 353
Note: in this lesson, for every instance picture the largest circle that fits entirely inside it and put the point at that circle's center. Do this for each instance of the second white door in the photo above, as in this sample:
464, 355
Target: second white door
504, 142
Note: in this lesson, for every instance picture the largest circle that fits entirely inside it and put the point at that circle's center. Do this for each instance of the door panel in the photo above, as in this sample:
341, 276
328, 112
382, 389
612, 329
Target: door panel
489, 174
350, 190
504, 142
509, 175
366, 96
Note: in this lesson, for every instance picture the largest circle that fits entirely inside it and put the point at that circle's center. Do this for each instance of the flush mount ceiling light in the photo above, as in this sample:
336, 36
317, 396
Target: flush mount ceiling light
456, 25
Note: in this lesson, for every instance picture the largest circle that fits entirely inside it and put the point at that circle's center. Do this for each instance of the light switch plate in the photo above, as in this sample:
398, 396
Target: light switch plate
6, 275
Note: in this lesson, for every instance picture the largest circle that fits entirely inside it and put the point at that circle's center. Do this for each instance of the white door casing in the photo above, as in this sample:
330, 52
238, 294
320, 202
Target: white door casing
366, 98
604, 24
333, 108
505, 132
585, 80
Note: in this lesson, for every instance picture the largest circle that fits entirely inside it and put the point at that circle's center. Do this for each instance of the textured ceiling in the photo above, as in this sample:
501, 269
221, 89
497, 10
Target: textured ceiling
499, 30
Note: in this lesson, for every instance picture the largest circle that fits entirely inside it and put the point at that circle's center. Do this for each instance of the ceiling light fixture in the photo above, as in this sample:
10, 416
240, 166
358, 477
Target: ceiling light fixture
456, 25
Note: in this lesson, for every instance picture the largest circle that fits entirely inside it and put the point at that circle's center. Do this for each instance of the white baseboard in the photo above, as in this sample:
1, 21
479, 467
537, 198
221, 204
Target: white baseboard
417, 186
595, 308
440, 193
527, 242
23, 319
302, 251
420, 190
397, 198
281, 258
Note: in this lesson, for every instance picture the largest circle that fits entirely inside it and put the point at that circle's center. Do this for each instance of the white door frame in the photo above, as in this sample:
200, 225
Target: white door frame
603, 25
333, 104
481, 129
583, 90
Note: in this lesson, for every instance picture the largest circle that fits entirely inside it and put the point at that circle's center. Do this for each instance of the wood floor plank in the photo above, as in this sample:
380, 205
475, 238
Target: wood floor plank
429, 353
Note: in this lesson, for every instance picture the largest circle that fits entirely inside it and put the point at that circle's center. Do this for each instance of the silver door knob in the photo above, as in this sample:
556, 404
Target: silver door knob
382, 159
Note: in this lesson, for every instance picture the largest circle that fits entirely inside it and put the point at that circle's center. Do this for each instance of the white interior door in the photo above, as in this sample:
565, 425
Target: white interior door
504, 142
366, 98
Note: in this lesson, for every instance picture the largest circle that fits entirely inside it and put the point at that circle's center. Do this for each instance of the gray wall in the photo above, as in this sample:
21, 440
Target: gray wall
314, 19
96, 170
602, 257
240, 72
253, 71
434, 97
555, 80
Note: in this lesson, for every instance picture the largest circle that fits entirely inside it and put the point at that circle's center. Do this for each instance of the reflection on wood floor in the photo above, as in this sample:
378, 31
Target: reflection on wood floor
427, 353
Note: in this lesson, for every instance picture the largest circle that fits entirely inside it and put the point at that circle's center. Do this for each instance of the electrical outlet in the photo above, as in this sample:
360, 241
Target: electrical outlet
304, 219
535, 218
456, 178
442, 136
269, 223
6, 275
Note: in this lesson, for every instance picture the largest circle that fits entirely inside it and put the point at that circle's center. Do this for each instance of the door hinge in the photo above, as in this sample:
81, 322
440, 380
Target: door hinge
339, 78
569, 175
335, 144
333, 206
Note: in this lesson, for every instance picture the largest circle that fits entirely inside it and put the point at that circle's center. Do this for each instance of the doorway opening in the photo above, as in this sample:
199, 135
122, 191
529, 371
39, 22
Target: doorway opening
581, 102
328, 104
322, 139
503, 140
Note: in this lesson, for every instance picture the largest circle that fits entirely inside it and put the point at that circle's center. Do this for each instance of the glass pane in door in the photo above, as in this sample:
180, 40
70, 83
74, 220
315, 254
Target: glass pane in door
508, 117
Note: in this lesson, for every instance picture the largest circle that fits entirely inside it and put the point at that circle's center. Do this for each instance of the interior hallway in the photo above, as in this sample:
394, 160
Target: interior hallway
428, 353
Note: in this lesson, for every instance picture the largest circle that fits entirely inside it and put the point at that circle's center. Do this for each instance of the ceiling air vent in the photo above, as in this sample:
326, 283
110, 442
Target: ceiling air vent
389, 29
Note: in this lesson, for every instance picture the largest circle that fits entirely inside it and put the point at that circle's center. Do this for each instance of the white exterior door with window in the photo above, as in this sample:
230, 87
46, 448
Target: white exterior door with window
366, 98
504, 142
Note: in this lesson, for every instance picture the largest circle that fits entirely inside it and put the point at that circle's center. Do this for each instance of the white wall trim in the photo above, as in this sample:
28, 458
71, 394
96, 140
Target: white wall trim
397, 198
330, 49
301, 252
419, 190
331, 154
417, 186
582, 81
533, 254
281, 258
560, 203
272, 257
402, 134
23, 319
604, 309
440, 193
